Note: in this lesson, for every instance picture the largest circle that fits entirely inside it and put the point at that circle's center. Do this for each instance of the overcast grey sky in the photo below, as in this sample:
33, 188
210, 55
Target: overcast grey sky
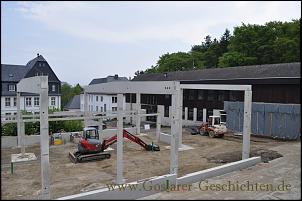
86, 40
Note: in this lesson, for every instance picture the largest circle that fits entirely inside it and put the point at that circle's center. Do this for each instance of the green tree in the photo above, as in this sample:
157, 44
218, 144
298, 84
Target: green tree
9, 129
230, 59
273, 42
68, 92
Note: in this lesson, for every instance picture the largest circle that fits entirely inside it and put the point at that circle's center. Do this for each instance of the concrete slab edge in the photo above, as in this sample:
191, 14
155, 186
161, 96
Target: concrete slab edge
127, 193
216, 171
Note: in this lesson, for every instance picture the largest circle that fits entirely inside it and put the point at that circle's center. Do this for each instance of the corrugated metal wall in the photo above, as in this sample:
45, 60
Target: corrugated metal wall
282, 121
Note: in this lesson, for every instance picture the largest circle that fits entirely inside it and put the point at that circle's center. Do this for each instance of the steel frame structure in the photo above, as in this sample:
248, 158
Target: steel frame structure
39, 85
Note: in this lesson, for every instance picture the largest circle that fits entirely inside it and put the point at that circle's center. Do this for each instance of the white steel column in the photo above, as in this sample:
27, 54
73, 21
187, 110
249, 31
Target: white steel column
158, 126
100, 129
247, 124
44, 139
85, 107
19, 120
138, 118
186, 113
119, 151
175, 129
20, 127
22, 130
204, 115
194, 114
180, 116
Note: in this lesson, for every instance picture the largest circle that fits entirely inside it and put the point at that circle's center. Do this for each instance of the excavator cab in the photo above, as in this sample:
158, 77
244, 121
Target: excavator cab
90, 133
214, 120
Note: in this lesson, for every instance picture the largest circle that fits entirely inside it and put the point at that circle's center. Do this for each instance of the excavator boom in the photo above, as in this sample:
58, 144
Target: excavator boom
133, 138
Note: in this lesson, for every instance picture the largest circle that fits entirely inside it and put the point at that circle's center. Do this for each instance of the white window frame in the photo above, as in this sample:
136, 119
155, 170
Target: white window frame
8, 114
97, 98
52, 101
28, 102
101, 98
53, 87
114, 99
11, 87
7, 102
97, 108
15, 102
36, 100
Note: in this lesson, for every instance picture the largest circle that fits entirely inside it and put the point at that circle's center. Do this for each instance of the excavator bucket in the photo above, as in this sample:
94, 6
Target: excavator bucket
72, 157
152, 147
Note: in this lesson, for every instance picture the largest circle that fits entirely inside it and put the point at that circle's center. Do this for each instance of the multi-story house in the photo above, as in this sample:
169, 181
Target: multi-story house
103, 102
12, 74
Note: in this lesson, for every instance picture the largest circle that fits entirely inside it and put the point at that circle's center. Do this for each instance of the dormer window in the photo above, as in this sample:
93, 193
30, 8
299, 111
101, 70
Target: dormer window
11, 87
53, 87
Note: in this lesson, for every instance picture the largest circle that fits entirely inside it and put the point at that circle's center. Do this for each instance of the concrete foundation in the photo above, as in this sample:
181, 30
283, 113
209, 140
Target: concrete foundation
216, 171
142, 189
19, 158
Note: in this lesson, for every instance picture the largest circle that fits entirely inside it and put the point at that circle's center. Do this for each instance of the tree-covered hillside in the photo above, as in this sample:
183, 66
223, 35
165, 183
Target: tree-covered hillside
250, 44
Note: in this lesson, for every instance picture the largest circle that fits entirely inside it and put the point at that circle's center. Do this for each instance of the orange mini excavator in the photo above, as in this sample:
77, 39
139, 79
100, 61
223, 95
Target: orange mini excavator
90, 148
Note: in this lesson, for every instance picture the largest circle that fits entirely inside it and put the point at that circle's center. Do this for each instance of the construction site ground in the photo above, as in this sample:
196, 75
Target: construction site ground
67, 178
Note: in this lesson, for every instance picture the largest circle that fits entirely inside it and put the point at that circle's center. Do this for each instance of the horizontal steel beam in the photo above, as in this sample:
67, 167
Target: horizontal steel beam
74, 118
216, 87
146, 87
31, 84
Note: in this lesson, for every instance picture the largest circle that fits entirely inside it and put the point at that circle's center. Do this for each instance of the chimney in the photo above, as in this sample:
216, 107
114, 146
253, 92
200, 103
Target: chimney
116, 76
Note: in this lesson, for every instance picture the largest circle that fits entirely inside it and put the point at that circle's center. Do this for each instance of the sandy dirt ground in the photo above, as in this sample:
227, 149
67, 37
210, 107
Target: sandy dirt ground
68, 178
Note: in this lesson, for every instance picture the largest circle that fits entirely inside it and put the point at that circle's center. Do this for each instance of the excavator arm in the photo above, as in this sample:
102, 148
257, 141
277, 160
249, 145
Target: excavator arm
133, 138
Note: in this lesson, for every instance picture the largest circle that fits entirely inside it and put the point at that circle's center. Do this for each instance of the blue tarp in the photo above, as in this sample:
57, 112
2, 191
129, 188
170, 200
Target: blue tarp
282, 121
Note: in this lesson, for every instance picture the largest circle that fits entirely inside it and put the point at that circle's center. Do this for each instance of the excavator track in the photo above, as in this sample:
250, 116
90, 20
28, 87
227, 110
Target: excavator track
78, 158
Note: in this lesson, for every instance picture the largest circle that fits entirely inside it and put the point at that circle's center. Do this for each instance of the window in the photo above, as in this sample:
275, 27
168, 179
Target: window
101, 109
28, 102
114, 108
11, 87
209, 112
53, 101
15, 102
190, 114
7, 102
166, 112
200, 95
114, 99
8, 114
97, 108
212, 96
220, 95
101, 98
97, 98
104, 107
53, 87
191, 94
36, 101
199, 114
